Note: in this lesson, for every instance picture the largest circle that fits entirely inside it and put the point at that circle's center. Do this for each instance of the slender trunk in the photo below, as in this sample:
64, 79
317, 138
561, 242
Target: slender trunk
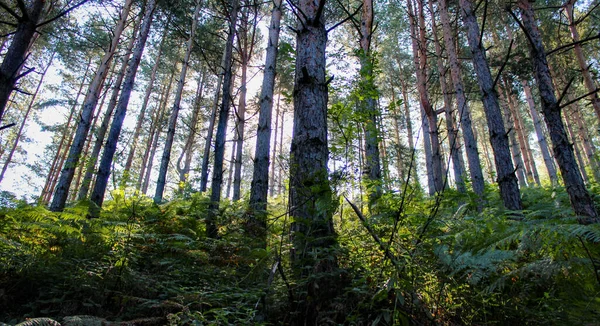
577, 148
507, 181
584, 135
409, 128
87, 112
101, 132
260, 176
396, 112
523, 138
142, 115
217, 177
15, 57
514, 144
428, 154
211, 127
115, 129
166, 156
240, 117
280, 183
581, 200
462, 106
187, 152
453, 140
537, 124
22, 126
583, 65
272, 177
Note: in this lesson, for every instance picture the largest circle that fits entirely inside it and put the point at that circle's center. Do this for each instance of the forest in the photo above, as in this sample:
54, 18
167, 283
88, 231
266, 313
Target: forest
299, 162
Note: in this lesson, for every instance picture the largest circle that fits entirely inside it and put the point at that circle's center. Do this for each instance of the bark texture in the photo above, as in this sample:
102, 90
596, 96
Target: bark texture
581, 200
507, 181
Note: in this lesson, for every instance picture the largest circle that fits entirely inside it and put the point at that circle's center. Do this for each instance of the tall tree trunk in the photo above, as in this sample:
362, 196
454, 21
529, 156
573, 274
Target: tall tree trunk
89, 105
584, 135
280, 183
217, 178
54, 168
15, 57
187, 152
257, 205
23, 123
211, 125
101, 132
115, 129
166, 156
157, 127
419, 41
577, 149
563, 152
372, 168
396, 116
428, 153
453, 140
142, 115
277, 127
507, 181
246, 41
462, 106
539, 132
514, 144
310, 192
585, 68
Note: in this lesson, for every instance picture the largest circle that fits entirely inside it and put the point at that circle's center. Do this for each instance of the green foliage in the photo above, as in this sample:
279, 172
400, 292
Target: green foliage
451, 265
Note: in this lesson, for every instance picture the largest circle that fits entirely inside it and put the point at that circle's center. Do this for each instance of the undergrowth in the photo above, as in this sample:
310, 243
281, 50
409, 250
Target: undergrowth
446, 263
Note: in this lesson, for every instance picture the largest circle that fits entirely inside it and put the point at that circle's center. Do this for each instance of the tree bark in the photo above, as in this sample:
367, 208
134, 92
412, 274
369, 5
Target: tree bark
166, 156
310, 193
90, 166
217, 177
27, 112
585, 68
257, 205
514, 144
142, 115
89, 105
462, 106
15, 57
507, 181
581, 200
115, 129
539, 132
453, 140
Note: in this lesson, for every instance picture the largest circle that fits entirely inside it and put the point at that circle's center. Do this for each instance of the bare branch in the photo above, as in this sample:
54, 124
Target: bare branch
8, 126
319, 10
350, 16
580, 98
582, 18
23, 9
356, 26
503, 64
485, 8
564, 92
294, 11
595, 37
520, 25
62, 13
10, 11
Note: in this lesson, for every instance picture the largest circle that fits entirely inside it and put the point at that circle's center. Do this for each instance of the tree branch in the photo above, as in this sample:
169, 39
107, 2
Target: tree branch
10, 11
564, 92
23, 9
503, 64
595, 37
485, 7
294, 11
8, 126
579, 98
320, 10
350, 16
521, 26
62, 13
356, 26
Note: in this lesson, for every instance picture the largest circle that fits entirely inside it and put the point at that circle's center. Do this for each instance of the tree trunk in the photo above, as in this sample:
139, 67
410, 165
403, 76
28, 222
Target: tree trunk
453, 140
166, 156
115, 129
257, 205
577, 148
15, 57
585, 68
372, 167
187, 151
310, 194
463, 109
563, 151
277, 125
211, 126
22, 126
537, 124
514, 144
419, 41
101, 132
507, 181
87, 112
54, 168
217, 178
142, 115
